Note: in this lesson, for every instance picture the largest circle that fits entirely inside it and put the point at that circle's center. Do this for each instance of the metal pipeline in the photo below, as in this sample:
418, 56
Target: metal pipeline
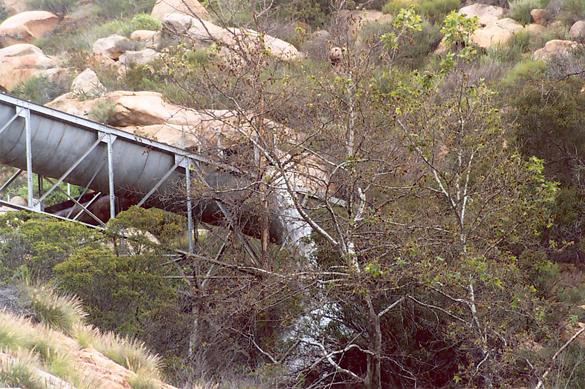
60, 140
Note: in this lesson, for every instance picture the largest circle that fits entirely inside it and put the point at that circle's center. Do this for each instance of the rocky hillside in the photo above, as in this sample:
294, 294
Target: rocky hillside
425, 157
46, 344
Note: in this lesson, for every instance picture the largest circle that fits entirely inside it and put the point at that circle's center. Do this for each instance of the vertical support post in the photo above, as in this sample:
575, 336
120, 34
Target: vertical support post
190, 224
40, 184
25, 114
110, 143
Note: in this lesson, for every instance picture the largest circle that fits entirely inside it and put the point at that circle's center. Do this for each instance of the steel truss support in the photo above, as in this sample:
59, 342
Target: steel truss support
83, 207
188, 165
110, 144
25, 114
70, 170
178, 162
10, 180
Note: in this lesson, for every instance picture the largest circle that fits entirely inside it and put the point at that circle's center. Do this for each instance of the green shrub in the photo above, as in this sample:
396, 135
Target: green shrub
110, 9
60, 312
144, 21
511, 51
393, 6
18, 374
58, 7
572, 10
39, 89
3, 13
433, 10
523, 71
102, 111
520, 9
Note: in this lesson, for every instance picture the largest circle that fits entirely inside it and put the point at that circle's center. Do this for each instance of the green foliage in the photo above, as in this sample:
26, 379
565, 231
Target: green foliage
520, 9
61, 312
572, 10
433, 10
165, 226
111, 9
18, 374
145, 21
524, 71
314, 13
39, 244
102, 111
130, 353
3, 13
513, 51
119, 292
58, 7
40, 89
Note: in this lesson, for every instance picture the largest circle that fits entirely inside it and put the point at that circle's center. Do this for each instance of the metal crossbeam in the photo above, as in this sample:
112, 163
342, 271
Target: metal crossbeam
10, 180
69, 171
160, 182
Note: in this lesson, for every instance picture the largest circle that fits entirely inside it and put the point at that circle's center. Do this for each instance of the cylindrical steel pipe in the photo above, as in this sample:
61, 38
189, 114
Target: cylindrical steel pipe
59, 141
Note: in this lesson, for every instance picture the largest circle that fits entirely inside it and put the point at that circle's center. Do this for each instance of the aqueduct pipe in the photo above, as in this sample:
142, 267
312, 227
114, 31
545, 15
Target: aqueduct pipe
59, 141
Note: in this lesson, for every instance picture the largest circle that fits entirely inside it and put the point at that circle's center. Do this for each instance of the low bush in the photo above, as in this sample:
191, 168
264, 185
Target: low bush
572, 10
511, 51
433, 10
58, 7
524, 71
40, 89
102, 111
60, 312
520, 9
111, 9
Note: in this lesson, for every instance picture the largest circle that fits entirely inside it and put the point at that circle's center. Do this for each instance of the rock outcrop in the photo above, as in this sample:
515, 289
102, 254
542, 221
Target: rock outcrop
87, 85
27, 26
163, 8
147, 38
497, 32
204, 33
540, 16
486, 13
147, 114
112, 47
556, 48
353, 22
20, 62
141, 57
577, 31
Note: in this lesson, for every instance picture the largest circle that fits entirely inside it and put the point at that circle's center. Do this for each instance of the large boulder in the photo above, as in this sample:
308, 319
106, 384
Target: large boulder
497, 32
27, 26
141, 57
112, 47
486, 13
353, 22
540, 16
20, 62
205, 33
87, 85
148, 114
535, 29
577, 31
163, 8
147, 38
556, 48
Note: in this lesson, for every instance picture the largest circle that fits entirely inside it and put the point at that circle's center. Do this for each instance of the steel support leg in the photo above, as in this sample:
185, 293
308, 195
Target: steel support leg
25, 114
190, 224
112, 188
